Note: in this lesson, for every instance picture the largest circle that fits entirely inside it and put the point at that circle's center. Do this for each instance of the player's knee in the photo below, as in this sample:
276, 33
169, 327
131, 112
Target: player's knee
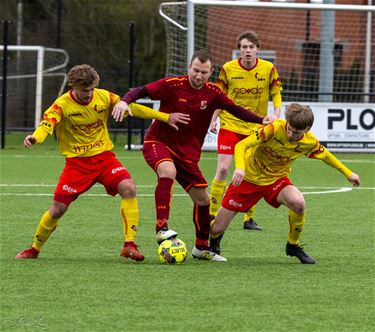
202, 201
127, 188
57, 210
166, 170
299, 206
201, 198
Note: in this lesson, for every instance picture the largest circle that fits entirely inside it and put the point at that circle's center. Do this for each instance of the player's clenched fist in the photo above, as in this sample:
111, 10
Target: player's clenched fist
269, 119
29, 141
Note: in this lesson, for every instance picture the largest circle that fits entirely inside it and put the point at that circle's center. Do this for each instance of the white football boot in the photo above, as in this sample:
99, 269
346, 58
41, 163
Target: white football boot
207, 255
165, 234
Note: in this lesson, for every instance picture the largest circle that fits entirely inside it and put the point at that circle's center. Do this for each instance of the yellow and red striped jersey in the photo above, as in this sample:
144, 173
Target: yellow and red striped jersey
249, 88
82, 129
266, 154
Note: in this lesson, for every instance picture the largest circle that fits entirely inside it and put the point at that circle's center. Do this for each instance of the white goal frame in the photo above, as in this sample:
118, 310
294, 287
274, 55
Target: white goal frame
40, 72
275, 5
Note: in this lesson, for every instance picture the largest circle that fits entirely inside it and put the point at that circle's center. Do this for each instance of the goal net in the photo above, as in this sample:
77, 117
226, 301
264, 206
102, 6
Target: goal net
35, 77
321, 55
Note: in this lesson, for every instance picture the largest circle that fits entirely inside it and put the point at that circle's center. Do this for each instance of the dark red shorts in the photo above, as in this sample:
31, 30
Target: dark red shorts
81, 173
243, 197
188, 172
227, 140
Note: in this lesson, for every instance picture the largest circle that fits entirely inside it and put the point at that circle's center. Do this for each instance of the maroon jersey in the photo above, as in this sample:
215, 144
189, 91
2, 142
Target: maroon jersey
177, 95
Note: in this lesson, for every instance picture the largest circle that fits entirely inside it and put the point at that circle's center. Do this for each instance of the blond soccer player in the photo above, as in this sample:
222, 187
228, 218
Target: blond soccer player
80, 119
262, 164
249, 81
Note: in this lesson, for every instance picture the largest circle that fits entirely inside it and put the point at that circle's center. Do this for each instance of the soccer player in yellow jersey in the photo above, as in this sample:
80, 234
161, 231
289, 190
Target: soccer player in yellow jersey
262, 164
80, 120
249, 81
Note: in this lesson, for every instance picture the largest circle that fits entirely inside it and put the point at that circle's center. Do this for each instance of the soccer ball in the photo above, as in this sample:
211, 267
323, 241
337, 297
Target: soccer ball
172, 251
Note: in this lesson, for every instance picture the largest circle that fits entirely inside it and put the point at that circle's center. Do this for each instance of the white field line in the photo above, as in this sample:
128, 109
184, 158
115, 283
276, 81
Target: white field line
120, 156
314, 191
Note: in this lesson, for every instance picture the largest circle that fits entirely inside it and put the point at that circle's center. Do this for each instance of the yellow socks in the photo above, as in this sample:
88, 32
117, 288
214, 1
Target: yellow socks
130, 219
217, 192
249, 214
46, 226
296, 223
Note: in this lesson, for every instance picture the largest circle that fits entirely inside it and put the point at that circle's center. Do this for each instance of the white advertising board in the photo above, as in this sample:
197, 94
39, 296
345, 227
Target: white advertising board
341, 127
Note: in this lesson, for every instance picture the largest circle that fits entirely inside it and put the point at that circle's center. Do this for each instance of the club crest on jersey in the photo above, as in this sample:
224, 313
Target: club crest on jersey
98, 110
203, 104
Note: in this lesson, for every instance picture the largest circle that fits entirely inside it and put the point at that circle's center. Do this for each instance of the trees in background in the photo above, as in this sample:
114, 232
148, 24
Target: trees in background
94, 32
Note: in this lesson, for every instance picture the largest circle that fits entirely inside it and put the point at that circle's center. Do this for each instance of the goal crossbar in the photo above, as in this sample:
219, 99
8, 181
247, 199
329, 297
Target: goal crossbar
40, 71
278, 5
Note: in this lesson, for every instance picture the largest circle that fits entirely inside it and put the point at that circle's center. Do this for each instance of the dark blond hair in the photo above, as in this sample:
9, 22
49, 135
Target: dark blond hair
249, 35
299, 116
82, 76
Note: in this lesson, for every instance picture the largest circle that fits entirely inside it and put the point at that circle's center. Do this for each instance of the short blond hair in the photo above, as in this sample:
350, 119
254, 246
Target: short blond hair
82, 76
299, 116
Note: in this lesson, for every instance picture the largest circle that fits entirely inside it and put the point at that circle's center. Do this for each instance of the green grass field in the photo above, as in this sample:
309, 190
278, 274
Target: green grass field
79, 282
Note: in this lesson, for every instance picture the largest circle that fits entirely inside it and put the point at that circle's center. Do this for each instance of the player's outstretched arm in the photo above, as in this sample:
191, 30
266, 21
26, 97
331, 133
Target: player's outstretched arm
354, 179
120, 111
148, 113
29, 141
331, 160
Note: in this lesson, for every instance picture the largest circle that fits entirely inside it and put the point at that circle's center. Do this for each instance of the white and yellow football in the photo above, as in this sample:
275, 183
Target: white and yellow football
172, 251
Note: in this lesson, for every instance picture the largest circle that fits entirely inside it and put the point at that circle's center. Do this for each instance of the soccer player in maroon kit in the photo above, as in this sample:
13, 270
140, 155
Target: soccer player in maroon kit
175, 155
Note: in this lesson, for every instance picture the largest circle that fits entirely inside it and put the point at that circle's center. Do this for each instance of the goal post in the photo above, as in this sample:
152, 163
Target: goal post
323, 52
339, 42
28, 69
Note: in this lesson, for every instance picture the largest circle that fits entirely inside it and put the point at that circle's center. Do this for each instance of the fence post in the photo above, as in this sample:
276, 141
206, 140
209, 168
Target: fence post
131, 78
4, 89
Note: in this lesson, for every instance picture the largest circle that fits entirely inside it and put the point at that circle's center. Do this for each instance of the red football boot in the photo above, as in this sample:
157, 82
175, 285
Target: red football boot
29, 253
130, 250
